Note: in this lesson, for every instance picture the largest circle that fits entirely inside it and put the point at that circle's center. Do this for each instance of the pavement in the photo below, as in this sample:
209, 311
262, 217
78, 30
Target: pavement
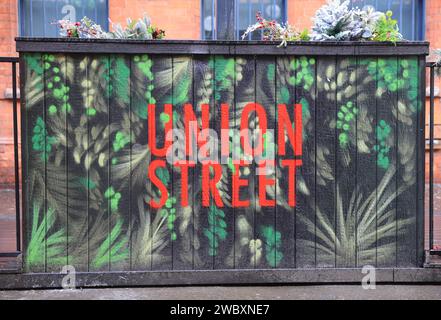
320, 292
323, 292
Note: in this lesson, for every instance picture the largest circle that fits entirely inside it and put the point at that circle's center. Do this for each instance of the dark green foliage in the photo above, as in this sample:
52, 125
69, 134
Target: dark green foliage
217, 230
273, 245
142, 85
386, 29
304, 72
113, 248
346, 116
120, 77
163, 175
41, 141
114, 198
121, 140
224, 74
393, 77
169, 212
43, 245
383, 132
33, 62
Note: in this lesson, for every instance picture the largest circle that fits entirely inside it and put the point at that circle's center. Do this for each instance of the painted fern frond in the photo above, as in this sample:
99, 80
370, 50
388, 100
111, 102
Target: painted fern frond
374, 221
113, 248
149, 237
43, 247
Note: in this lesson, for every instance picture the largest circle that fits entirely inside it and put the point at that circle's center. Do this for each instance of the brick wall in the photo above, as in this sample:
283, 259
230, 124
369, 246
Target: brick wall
300, 12
8, 31
433, 27
181, 20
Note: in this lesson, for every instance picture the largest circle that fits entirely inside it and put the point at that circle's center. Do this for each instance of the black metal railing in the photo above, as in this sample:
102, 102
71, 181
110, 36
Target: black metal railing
431, 66
14, 61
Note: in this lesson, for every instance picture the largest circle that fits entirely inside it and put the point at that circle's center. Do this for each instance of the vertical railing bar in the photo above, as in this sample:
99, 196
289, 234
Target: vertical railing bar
236, 20
96, 12
249, 17
431, 125
413, 20
213, 20
16, 163
263, 14
401, 15
31, 19
44, 18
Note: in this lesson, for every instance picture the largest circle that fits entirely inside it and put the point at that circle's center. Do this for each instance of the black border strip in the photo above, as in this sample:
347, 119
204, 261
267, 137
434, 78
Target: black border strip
325, 48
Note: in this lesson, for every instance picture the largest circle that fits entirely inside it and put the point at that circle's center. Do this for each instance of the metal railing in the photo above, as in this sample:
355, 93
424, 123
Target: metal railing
431, 66
14, 61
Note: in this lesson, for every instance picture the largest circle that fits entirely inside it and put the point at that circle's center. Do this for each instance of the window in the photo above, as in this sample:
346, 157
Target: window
37, 16
409, 13
228, 19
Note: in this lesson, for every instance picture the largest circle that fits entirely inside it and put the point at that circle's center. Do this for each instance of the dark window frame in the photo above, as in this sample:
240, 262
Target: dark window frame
418, 11
22, 26
230, 6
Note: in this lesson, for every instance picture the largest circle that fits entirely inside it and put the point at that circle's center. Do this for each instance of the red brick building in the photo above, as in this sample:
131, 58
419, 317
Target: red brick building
182, 19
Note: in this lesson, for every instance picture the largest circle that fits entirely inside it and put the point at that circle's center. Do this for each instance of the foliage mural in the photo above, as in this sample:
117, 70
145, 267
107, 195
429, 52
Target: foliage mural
88, 155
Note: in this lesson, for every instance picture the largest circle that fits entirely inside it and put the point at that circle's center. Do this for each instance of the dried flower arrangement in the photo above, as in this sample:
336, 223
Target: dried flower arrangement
334, 21
141, 29
275, 31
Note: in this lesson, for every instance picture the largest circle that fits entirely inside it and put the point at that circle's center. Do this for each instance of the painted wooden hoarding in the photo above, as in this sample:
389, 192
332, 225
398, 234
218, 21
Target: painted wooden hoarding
111, 183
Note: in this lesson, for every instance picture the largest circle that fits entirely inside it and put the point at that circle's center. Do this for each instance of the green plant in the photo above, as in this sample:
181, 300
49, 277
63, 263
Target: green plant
345, 117
149, 236
113, 248
114, 197
42, 245
273, 245
303, 73
136, 29
372, 218
274, 31
41, 141
169, 212
217, 229
386, 29
383, 132
121, 140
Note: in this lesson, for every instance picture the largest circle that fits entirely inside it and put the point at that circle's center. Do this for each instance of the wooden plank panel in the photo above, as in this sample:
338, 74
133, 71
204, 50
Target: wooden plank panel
346, 162
248, 249
385, 148
366, 241
148, 230
35, 245
78, 182
420, 234
182, 94
326, 161
266, 197
285, 214
56, 104
103, 198
204, 239
162, 70
304, 78
224, 222
120, 147
407, 161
